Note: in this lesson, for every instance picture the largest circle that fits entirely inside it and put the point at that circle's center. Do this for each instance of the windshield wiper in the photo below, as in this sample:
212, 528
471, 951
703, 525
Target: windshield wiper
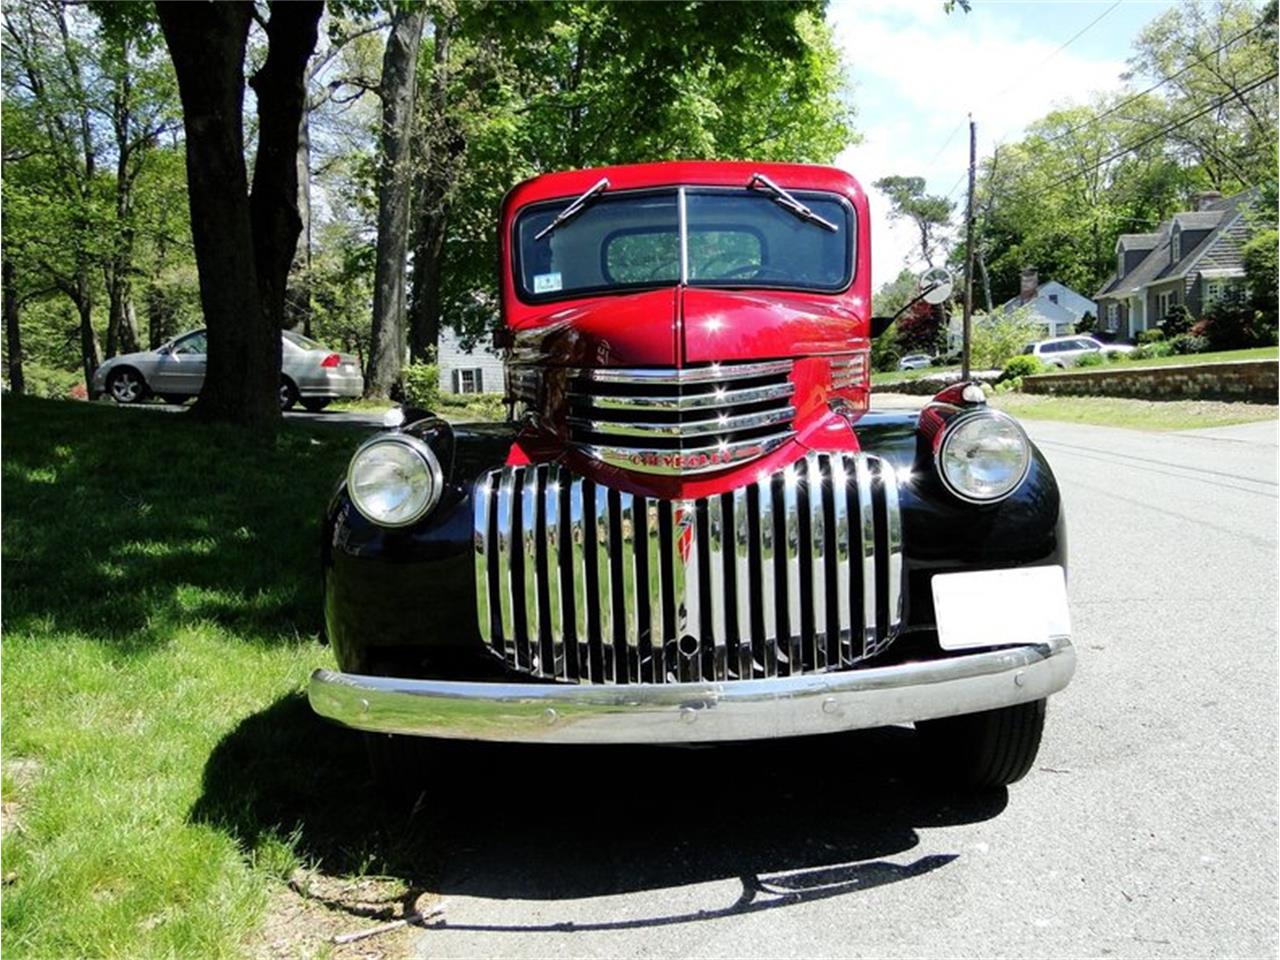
790, 203
575, 208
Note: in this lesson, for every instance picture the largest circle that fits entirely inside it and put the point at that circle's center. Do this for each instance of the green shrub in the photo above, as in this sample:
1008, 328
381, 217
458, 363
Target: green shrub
1116, 356
50, 382
884, 352
1154, 335
1149, 350
1012, 385
1189, 343
1023, 365
1178, 320
1234, 324
1090, 360
420, 385
1001, 335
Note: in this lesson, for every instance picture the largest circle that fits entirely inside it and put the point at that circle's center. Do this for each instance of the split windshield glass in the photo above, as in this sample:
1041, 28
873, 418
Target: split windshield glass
735, 238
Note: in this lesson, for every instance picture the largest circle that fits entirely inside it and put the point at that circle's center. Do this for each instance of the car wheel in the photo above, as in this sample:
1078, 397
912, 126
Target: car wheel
126, 386
177, 399
989, 749
315, 405
288, 394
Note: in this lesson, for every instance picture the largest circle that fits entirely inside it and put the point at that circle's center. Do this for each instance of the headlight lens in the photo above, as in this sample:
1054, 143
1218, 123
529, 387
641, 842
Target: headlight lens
394, 480
983, 456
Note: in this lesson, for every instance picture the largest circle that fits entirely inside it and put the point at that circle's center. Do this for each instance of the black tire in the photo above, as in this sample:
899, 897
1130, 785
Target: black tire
176, 399
126, 385
315, 404
288, 394
989, 749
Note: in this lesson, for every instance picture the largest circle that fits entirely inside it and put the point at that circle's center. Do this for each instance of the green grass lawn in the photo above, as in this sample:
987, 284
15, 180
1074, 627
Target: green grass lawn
163, 774
1221, 356
1135, 414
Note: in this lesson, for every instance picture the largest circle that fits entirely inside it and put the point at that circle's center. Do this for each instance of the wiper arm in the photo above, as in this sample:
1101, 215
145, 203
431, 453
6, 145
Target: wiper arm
790, 203
575, 208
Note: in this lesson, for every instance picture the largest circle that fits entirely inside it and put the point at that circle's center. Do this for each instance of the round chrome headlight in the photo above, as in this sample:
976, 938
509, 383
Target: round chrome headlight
983, 456
394, 480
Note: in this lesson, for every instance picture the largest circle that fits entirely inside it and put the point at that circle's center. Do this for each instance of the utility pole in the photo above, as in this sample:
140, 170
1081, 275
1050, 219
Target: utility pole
968, 253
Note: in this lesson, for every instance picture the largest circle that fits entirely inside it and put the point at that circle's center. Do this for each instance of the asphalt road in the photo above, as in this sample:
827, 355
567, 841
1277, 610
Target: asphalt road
1147, 828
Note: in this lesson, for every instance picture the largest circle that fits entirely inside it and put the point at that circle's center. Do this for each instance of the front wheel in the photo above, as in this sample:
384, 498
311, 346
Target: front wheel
989, 749
314, 405
126, 386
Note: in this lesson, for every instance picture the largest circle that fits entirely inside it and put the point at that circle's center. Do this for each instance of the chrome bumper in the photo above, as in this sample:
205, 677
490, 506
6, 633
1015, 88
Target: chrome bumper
693, 712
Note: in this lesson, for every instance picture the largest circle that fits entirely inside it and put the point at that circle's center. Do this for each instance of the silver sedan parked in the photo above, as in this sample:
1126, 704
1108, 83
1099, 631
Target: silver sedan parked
309, 372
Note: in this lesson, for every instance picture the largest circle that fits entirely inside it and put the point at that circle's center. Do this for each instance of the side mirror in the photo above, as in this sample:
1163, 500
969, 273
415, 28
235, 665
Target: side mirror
936, 285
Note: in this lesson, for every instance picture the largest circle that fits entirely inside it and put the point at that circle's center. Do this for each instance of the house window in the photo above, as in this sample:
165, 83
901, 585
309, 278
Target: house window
1053, 298
1119, 264
1213, 291
1113, 316
1175, 248
468, 381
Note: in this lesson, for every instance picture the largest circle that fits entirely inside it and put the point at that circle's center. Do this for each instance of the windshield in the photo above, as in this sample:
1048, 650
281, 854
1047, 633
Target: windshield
735, 238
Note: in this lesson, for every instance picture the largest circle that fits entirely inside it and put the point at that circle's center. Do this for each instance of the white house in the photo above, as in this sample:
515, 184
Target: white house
1055, 306
478, 370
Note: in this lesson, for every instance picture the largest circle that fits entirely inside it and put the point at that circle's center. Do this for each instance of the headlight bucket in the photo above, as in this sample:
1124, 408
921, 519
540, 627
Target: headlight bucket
394, 480
982, 456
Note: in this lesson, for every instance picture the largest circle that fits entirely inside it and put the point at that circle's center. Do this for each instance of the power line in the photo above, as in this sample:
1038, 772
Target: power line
1155, 86
1072, 39
1163, 130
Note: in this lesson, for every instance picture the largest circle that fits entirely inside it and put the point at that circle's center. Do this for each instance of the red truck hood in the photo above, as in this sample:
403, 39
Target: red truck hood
679, 327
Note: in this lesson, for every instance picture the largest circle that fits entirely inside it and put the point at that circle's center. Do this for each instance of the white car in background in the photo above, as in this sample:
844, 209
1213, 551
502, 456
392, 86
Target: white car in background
309, 372
1063, 352
915, 361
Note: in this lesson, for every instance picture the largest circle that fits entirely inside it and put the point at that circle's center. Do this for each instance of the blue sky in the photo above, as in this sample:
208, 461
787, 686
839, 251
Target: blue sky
917, 72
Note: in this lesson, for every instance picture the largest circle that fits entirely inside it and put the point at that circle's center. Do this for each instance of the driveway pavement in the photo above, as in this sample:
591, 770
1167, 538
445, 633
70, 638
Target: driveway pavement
1147, 828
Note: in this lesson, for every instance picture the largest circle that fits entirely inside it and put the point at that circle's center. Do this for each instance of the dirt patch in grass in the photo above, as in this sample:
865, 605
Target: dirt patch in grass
304, 917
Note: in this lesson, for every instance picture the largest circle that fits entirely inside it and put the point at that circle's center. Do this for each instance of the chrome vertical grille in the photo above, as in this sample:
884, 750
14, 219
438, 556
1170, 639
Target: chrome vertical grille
799, 572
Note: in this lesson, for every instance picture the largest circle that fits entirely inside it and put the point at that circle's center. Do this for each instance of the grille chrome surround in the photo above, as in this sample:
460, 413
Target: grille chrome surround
582, 583
685, 421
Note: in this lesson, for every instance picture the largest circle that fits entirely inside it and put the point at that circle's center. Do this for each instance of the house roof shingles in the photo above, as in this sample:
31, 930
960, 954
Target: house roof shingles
1220, 248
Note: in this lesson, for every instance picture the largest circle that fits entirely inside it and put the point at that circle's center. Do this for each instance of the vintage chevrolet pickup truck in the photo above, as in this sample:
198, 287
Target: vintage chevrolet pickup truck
691, 527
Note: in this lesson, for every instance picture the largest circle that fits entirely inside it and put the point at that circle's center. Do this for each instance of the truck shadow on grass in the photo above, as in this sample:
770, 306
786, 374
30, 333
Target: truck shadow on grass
795, 820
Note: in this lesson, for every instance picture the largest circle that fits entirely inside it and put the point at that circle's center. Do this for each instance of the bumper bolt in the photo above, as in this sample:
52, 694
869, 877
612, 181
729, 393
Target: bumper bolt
829, 705
550, 716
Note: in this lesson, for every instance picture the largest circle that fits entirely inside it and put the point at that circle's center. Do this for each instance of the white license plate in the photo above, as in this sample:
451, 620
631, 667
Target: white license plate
991, 608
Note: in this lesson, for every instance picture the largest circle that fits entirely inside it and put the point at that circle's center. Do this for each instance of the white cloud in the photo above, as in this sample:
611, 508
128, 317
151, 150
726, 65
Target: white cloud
919, 72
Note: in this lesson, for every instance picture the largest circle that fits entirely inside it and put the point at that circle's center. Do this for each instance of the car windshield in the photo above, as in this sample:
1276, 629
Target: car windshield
303, 343
734, 238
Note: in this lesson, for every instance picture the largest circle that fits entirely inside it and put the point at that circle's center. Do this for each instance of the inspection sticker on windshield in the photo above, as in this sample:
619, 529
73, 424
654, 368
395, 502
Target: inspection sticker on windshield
992, 608
546, 282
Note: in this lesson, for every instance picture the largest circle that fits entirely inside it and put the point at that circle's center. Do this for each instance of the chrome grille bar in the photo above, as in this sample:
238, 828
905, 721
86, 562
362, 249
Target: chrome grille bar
603, 586
681, 421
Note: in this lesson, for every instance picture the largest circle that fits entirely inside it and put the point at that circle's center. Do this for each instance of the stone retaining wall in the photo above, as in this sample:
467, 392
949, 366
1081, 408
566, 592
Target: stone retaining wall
1255, 381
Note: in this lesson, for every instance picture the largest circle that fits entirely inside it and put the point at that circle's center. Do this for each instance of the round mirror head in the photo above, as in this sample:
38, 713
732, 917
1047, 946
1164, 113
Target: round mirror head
936, 285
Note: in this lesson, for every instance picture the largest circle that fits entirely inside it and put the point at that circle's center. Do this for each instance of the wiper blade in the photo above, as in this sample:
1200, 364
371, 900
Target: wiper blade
575, 208
790, 203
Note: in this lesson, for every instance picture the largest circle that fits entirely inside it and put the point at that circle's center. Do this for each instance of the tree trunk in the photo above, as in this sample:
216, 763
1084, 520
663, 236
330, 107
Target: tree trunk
207, 44
90, 350
442, 150
297, 297
424, 315
399, 70
281, 88
12, 331
986, 279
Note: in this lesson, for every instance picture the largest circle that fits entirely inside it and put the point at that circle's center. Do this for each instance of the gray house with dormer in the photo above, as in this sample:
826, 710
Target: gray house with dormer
1193, 259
